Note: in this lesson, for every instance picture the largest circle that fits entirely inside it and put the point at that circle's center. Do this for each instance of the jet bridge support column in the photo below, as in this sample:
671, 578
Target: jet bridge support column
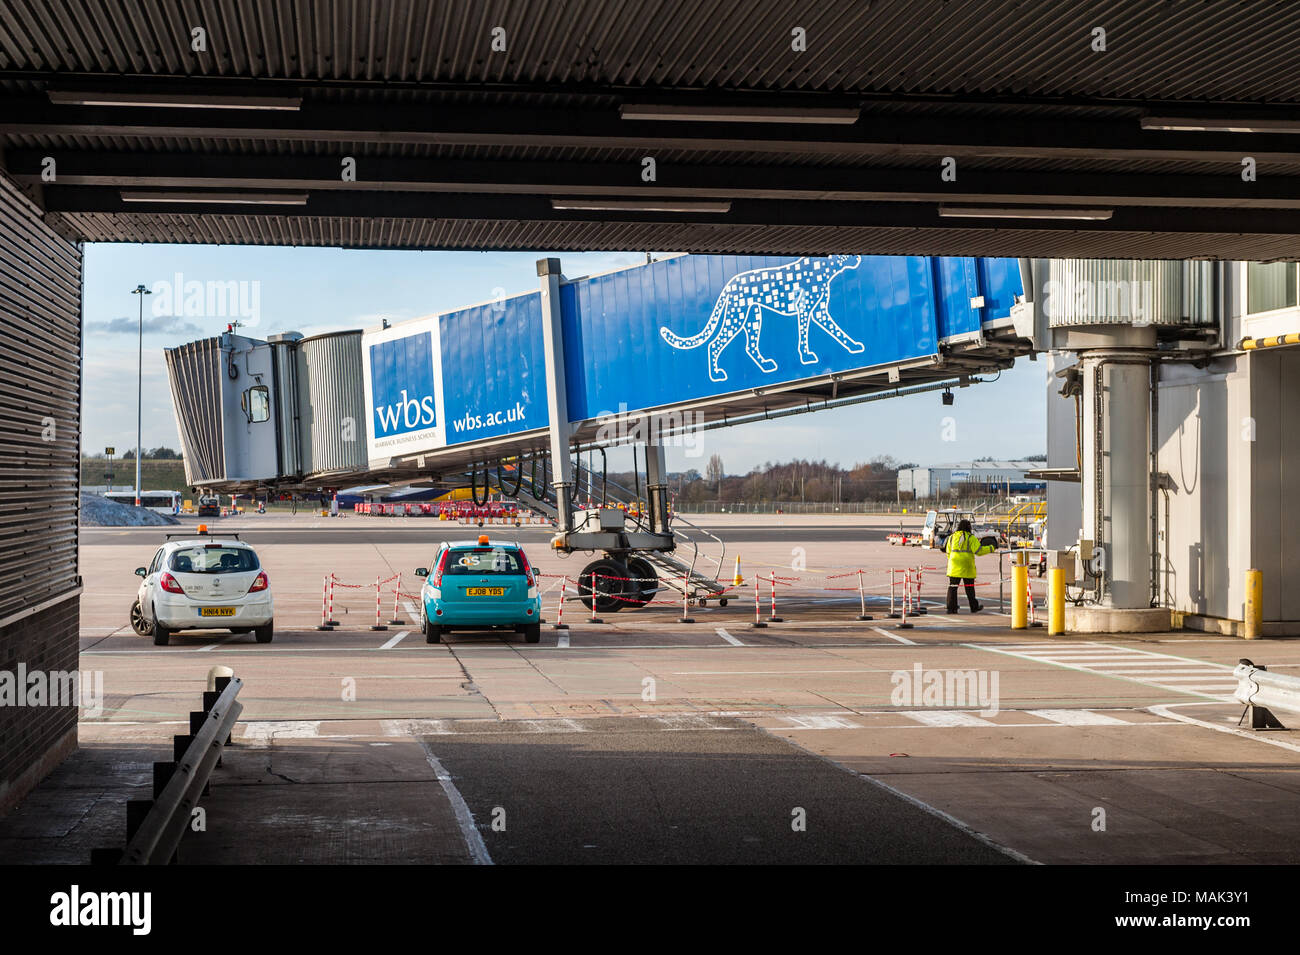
557, 404
656, 480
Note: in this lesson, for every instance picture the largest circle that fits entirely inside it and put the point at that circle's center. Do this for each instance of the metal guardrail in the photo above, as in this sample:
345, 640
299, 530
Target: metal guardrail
1262, 692
155, 826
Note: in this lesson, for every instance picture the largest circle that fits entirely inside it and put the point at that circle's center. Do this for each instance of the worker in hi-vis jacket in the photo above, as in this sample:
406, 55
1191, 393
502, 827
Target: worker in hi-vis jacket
962, 547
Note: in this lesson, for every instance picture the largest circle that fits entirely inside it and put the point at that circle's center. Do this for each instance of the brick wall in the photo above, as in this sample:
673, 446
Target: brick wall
33, 740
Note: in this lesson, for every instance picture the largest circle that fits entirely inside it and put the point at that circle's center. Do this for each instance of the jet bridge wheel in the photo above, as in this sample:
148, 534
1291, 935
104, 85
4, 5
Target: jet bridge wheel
643, 589
611, 586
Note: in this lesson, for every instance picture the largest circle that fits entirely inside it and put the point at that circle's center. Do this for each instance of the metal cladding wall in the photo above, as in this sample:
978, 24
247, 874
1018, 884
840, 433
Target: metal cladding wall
331, 403
695, 327
195, 372
40, 424
493, 369
40, 406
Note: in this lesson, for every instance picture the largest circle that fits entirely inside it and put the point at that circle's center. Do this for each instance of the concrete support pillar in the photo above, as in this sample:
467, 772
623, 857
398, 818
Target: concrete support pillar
557, 404
1116, 471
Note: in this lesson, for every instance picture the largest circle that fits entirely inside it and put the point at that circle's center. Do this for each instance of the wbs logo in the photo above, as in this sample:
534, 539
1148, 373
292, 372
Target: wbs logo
401, 378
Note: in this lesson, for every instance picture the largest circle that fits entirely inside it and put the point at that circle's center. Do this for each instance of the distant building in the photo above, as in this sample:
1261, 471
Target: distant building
971, 479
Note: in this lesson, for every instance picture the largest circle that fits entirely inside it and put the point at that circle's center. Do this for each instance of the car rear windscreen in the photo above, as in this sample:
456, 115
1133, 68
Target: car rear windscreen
484, 560
208, 559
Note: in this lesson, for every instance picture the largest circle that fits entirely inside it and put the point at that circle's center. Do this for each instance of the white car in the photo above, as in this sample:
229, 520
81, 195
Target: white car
203, 583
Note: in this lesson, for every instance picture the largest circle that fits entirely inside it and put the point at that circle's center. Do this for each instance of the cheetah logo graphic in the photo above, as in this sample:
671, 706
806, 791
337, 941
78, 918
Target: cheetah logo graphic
801, 289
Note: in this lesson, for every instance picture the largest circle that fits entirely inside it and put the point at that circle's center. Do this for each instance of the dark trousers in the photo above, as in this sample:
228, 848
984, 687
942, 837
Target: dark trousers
970, 593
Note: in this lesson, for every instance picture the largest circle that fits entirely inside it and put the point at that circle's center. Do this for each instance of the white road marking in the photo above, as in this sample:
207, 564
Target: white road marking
953, 821
1167, 710
894, 636
395, 640
1079, 718
410, 611
213, 646
562, 640
821, 723
464, 818
266, 730
946, 718
728, 637
1141, 660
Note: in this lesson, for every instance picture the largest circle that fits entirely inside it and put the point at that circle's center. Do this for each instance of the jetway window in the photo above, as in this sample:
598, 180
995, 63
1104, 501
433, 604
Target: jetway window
1270, 286
257, 403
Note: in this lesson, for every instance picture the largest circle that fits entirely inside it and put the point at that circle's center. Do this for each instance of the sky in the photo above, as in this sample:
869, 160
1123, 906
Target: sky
314, 290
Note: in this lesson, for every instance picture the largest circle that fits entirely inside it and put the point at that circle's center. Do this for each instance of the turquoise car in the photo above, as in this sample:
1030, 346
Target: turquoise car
480, 585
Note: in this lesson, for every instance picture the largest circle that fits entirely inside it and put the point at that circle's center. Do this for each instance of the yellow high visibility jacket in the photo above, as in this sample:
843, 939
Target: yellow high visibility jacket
962, 548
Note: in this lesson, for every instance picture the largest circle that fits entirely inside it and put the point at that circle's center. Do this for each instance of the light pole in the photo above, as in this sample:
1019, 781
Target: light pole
139, 389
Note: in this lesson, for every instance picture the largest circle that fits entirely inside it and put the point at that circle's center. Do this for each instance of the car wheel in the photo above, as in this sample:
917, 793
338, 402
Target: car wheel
610, 585
432, 632
138, 623
533, 633
161, 636
265, 634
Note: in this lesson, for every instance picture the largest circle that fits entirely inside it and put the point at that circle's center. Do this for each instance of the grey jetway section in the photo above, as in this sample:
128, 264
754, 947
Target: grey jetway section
251, 413
40, 438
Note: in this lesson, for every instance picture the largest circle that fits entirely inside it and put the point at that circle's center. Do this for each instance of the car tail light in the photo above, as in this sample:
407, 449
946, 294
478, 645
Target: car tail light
259, 583
442, 564
528, 570
169, 584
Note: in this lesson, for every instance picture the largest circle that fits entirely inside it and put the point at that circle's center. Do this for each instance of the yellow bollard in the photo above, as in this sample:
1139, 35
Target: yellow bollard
1055, 601
1254, 622
1019, 589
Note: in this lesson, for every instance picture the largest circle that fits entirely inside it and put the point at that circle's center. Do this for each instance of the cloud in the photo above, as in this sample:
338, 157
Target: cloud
153, 325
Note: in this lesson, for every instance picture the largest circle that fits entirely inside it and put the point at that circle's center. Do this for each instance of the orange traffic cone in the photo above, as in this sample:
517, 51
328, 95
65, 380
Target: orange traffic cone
737, 580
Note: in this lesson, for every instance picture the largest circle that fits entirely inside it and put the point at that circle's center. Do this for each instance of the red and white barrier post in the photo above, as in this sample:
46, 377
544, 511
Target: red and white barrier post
331, 621
917, 608
559, 611
592, 587
893, 575
379, 625
862, 596
758, 611
324, 604
772, 617
397, 621
907, 588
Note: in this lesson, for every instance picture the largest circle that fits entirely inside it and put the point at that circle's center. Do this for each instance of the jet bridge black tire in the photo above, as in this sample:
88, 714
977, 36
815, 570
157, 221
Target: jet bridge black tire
610, 588
641, 591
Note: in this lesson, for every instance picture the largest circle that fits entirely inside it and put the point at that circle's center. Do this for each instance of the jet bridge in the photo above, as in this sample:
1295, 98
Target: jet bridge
653, 355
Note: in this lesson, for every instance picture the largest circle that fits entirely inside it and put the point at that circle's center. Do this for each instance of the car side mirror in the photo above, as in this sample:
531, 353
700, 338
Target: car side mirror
142, 572
422, 571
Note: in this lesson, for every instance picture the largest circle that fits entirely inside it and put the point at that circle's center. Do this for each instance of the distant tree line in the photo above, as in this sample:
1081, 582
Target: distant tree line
799, 480
153, 454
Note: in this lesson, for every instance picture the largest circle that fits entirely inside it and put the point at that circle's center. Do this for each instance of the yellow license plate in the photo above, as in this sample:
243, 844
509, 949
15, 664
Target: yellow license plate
216, 611
485, 591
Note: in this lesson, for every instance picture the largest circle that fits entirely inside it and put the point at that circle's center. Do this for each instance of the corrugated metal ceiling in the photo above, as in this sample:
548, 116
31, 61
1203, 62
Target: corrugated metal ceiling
1178, 49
